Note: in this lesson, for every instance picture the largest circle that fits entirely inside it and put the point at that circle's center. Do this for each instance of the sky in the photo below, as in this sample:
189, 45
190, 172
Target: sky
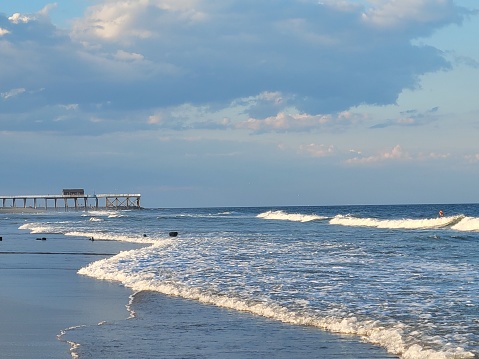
203, 103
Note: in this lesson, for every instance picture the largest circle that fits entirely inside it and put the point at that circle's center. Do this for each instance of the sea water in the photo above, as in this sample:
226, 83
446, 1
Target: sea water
399, 277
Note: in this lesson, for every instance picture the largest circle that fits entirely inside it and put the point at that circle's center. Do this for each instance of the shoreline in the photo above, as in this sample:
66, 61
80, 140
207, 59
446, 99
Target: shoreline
169, 327
42, 293
45, 304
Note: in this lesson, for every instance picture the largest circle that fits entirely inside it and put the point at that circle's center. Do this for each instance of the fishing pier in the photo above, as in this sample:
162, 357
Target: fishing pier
74, 199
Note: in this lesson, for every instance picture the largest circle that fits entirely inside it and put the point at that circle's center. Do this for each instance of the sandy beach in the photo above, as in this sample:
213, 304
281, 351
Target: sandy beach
42, 293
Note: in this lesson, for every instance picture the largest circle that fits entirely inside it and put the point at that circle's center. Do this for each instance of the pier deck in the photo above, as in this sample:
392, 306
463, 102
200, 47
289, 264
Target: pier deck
77, 201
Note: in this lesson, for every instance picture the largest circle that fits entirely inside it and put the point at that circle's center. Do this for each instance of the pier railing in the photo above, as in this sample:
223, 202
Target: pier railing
112, 200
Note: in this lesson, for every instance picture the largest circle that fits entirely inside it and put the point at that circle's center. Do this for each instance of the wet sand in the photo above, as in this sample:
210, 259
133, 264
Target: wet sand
41, 292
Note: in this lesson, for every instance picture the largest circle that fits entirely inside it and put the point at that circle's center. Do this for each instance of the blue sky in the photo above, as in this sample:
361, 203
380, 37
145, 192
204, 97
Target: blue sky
242, 103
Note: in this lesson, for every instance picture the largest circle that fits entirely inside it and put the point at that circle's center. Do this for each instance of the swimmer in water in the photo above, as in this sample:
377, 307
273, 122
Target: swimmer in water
441, 213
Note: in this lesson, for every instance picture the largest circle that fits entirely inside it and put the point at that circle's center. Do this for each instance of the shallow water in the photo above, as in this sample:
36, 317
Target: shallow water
171, 327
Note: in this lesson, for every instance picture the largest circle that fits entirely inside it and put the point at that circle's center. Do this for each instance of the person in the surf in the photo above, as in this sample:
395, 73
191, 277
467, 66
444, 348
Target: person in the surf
441, 213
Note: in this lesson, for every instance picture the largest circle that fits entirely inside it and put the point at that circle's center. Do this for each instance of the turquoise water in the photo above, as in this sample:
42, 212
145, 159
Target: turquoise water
399, 277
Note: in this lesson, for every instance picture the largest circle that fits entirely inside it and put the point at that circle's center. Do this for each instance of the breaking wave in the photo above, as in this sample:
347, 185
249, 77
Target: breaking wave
467, 224
458, 222
428, 223
124, 267
295, 217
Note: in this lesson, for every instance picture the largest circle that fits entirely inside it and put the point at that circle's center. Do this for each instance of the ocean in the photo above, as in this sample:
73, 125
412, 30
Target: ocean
399, 277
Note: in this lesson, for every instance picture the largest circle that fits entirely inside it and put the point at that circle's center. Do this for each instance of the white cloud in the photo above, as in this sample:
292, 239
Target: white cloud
70, 107
274, 97
18, 18
473, 158
317, 150
155, 119
294, 122
434, 156
128, 56
110, 21
396, 13
12, 93
395, 154
3, 31
47, 8
122, 21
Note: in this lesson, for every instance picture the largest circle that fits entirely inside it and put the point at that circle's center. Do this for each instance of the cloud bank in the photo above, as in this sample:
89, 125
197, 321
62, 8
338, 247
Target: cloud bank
126, 62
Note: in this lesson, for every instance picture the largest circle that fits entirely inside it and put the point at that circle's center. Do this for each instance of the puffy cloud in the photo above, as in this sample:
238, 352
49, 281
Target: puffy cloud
3, 32
294, 122
297, 49
113, 20
18, 18
292, 65
123, 21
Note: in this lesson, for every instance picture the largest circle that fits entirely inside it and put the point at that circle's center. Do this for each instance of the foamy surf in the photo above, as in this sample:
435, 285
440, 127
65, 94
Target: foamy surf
139, 238
395, 337
407, 223
40, 228
467, 224
294, 217
73, 346
106, 213
63, 228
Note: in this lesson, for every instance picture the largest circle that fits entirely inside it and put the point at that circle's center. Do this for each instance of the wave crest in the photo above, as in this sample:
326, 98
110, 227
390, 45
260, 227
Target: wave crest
396, 223
467, 224
295, 217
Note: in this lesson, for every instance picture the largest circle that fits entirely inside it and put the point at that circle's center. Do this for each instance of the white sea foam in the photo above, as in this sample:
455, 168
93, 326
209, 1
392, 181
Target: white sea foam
406, 223
116, 215
73, 346
126, 268
295, 217
467, 224
114, 237
65, 228
105, 213
39, 228
129, 306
